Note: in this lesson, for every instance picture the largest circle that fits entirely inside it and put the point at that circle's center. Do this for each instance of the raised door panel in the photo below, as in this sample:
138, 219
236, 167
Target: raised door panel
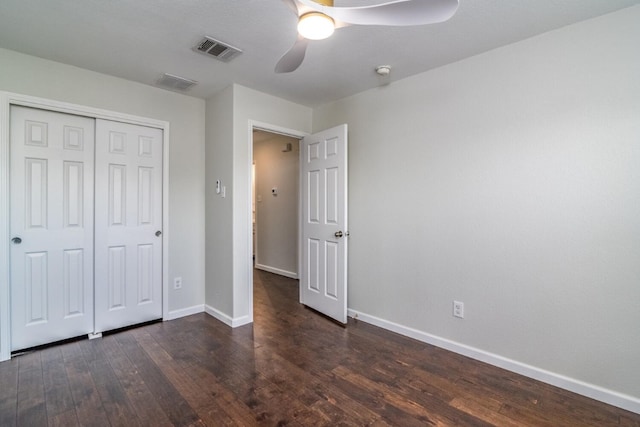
332, 206
128, 281
117, 193
331, 285
73, 194
145, 275
312, 279
74, 282
36, 177
51, 169
116, 279
145, 195
313, 201
36, 286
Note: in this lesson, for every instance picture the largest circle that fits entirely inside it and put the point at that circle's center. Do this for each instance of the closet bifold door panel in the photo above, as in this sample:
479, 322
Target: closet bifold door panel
128, 225
51, 225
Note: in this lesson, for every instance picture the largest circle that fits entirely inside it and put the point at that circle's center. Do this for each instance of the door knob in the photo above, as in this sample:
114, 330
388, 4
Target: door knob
158, 233
16, 240
338, 234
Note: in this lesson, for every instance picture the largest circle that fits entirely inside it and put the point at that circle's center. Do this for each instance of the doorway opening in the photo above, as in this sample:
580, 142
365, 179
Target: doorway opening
275, 203
259, 252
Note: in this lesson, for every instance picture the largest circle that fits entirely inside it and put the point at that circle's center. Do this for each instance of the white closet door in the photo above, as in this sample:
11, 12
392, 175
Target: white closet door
51, 226
128, 240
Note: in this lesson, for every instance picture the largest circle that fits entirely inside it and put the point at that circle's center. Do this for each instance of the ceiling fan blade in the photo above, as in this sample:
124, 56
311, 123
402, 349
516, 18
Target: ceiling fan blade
291, 60
396, 13
341, 24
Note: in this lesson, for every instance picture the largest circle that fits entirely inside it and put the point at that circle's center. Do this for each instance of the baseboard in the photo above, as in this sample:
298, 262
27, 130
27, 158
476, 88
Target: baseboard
629, 403
176, 314
285, 273
226, 319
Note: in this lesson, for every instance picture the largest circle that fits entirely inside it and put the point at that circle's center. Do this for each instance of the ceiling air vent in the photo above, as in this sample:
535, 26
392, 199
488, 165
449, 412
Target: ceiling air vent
170, 81
217, 49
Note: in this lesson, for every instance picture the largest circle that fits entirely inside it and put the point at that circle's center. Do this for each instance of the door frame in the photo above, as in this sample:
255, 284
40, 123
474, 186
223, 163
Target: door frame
256, 125
7, 99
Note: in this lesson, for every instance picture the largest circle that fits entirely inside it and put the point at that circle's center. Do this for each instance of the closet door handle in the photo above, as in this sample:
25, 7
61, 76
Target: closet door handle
16, 240
158, 233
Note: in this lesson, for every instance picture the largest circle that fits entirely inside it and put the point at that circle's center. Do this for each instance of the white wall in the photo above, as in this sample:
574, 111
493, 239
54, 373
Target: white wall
219, 212
277, 215
509, 181
29, 75
233, 149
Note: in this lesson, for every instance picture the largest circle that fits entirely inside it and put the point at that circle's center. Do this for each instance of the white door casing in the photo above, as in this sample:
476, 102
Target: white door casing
323, 280
51, 226
128, 240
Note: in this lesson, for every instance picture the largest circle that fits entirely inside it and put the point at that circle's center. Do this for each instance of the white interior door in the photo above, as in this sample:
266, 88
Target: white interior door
51, 226
128, 241
323, 280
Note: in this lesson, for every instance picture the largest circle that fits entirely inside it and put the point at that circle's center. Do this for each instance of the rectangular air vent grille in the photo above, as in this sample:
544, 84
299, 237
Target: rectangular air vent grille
217, 49
175, 82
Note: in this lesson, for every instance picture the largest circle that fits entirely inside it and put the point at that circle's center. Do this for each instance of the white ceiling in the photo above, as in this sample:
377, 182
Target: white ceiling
141, 39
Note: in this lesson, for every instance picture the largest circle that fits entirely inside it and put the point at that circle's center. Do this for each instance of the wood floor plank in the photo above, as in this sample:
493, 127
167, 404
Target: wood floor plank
112, 395
139, 396
432, 410
57, 391
629, 419
9, 392
89, 408
311, 390
484, 412
31, 399
227, 410
230, 403
64, 419
172, 403
197, 398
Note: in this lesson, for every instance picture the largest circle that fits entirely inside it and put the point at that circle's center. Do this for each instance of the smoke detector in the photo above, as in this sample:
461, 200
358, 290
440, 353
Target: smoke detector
383, 70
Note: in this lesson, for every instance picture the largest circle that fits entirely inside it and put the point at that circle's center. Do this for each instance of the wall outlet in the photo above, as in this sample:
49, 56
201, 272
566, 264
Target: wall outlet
177, 283
458, 309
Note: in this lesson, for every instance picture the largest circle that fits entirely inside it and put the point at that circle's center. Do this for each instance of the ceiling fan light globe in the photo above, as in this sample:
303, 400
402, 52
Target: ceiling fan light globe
315, 26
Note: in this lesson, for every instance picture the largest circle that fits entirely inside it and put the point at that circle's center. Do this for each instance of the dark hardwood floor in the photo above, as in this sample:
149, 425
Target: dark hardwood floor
291, 367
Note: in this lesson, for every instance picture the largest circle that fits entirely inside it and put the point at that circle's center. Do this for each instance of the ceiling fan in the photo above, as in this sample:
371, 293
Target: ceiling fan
317, 20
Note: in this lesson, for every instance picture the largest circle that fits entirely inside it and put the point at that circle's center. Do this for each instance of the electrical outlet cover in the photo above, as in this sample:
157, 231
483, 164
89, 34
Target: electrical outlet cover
458, 309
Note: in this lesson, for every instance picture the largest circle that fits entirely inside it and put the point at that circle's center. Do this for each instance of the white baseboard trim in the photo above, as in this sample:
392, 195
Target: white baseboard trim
176, 314
226, 319
624, 401
285, 273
